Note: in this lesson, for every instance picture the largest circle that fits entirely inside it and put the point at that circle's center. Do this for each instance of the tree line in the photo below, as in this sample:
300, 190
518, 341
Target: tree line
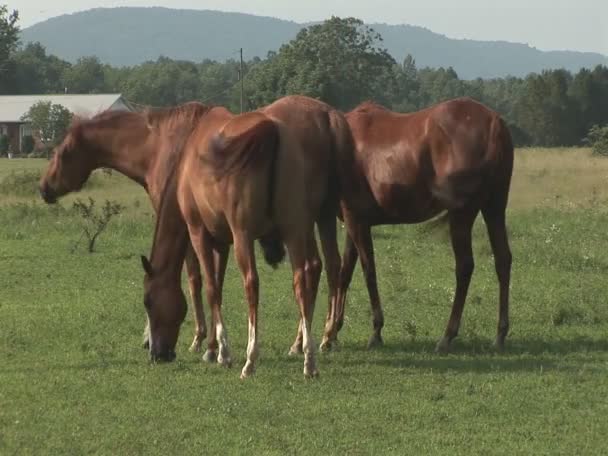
340, 61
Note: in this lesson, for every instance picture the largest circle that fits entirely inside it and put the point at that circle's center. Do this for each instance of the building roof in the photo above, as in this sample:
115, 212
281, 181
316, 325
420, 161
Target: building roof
14, 107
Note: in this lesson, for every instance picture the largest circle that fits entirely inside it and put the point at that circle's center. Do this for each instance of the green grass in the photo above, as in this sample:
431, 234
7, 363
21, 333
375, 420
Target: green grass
74, 379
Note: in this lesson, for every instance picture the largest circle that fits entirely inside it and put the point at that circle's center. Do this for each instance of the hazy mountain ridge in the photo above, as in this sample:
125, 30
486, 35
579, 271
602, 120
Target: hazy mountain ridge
130, 35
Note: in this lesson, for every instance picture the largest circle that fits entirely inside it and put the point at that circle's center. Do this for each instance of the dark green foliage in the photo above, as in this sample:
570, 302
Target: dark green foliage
4, 144
598, 139
27, 145
9, 38
340, 61
49, 120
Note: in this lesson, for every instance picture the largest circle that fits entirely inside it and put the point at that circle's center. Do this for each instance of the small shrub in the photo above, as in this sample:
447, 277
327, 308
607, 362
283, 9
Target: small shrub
597, 138
94, 222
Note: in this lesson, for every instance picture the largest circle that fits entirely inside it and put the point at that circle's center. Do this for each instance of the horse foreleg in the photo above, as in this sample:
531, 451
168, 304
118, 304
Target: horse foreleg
362, 237
461, 225
195, 283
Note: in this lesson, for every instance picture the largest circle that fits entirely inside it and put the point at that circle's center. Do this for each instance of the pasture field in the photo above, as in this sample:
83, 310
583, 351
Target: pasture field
74, 378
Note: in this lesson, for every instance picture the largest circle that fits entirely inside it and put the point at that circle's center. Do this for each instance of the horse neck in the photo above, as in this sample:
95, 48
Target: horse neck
171, 233
125, 150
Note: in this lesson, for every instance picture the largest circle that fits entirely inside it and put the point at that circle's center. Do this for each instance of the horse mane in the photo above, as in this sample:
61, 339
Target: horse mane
180, 135
369, 106
171, 117
186, 113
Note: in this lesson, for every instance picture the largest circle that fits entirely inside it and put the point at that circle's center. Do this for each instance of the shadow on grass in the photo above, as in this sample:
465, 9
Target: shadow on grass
482, 346
478, 355
473, 355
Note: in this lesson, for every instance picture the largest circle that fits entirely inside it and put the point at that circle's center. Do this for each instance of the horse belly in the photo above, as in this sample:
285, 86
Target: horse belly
406, 203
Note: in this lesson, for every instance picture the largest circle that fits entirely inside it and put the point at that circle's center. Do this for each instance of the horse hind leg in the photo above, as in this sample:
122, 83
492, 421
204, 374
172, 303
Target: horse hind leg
213, 260
312, 270
329, 244
497, 232
306, 273
461, 225
245, 258
195, 283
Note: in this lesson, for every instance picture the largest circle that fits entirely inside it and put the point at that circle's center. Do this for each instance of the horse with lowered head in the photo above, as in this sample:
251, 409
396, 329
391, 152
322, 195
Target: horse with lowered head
269, 174
138, 145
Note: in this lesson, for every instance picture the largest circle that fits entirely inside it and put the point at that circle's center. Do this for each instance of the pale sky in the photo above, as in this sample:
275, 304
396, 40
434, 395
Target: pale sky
580, 25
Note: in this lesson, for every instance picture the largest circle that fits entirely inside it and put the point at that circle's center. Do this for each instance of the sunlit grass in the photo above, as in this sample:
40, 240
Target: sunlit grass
75, 380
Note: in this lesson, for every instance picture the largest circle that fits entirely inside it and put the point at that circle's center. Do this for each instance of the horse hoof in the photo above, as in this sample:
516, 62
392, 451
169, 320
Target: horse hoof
224, 360
375, 341
325, 346
443, 346
329, 345
311, 373
499, 345
210, 356
196, 344
248, 371
295, 350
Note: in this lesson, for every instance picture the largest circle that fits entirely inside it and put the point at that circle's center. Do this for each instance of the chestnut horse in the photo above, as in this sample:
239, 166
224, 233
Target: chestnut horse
137, 145
456, 156
267, 175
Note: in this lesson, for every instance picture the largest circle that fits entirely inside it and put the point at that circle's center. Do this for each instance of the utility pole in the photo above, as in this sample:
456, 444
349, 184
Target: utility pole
241, 78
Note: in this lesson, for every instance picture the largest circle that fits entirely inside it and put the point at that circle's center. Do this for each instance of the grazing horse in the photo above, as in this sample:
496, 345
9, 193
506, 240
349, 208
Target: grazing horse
267, 175
456, 156
138, 145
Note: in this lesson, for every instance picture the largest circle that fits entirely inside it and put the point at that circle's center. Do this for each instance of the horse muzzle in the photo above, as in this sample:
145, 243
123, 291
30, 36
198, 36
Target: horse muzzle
165, 356
47, 194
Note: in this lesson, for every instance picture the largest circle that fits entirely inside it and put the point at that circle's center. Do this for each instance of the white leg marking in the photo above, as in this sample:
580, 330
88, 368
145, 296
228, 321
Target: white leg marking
310, 368
252, 353
224, 352
296, 348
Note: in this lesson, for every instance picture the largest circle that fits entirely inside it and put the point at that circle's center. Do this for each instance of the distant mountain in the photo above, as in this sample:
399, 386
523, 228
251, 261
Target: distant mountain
128, 36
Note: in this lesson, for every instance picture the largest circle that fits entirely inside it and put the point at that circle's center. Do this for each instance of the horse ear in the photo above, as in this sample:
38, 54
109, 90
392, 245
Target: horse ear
146, 265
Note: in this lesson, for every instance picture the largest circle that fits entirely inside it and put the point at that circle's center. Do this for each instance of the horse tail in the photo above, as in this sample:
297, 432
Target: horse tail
342, 161
460, 187
257, 146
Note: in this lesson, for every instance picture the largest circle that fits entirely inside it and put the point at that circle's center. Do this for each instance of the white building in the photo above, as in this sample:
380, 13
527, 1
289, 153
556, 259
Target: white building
14, 107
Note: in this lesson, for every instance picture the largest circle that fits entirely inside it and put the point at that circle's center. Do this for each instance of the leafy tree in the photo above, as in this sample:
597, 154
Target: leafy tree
86, 76
9, 39
37, 72
49, 121
338, 61
405, 92
439, 85
165, 82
